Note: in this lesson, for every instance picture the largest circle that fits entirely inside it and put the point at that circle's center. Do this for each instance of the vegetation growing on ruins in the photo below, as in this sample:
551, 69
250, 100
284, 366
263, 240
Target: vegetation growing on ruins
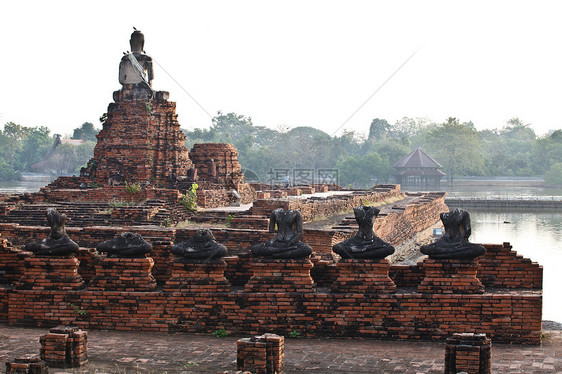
295, 334
220, 333
132, 188
189, 200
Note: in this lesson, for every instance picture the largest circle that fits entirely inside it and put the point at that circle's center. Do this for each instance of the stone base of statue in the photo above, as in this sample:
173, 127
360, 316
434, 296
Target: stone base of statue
280, 275
197, 276
123, 274
50, 273
450, 276
363, 276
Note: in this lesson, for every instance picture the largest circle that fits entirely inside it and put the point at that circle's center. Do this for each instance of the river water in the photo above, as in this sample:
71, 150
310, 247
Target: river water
534, 234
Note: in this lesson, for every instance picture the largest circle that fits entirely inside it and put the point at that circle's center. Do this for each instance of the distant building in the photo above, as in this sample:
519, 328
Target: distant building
418, 169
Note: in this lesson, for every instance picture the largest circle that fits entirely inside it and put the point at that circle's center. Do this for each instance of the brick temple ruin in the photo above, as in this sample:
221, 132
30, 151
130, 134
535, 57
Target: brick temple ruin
141, 144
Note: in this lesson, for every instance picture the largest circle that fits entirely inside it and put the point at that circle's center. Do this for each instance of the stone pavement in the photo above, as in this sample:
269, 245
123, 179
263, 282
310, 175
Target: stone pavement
127, 352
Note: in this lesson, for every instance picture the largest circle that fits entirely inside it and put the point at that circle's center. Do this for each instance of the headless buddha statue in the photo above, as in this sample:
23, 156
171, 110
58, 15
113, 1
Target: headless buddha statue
286, 244
127, 245
58, 243
202, 246
365, 244
454, 243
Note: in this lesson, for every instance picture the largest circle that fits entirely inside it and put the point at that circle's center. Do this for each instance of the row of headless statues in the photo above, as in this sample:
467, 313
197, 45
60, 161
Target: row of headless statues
286, 244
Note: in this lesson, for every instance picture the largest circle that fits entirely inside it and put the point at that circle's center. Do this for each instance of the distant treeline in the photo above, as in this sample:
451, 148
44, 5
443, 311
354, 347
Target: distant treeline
513, 150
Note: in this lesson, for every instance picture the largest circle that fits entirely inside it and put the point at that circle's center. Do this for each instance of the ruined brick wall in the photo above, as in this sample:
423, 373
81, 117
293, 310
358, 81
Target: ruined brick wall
504, 268
141, 141
396, 224
109, 193
4, 302
322, 241
68, 182
407, 275
217, 191
399, 315
225, 155
500, 267
505, 315
11, 263
214, 198
325, 207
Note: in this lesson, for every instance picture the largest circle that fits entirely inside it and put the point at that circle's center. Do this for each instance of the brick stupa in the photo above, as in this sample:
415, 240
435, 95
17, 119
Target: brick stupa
141, 138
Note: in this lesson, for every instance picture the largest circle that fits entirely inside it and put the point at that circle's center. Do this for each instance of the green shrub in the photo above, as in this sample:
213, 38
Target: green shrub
189, 200
132, 188
294, 334
220, 333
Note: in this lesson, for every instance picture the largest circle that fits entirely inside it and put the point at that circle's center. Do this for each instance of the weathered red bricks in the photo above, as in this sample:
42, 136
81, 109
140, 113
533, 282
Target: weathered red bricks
261, 354
65, 347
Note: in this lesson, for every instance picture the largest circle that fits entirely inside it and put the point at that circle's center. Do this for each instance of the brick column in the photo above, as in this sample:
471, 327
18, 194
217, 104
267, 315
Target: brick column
197, 276
363, 276
261, 354
450, 276
65, 347
468, 352
278, 275
50, 273
124, 274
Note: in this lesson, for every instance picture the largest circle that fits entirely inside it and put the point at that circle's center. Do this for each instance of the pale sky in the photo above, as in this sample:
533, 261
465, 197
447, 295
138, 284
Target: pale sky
289, 63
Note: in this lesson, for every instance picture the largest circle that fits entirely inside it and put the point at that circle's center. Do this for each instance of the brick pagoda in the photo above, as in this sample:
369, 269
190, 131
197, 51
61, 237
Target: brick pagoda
141, 138
140, 141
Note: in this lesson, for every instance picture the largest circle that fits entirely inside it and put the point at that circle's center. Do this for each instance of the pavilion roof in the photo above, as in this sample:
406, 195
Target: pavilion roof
417, 159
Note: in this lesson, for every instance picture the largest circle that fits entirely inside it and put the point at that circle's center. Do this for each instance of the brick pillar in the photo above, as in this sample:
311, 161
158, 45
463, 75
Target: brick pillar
363, 276
278, 275
450, 276
197, 276
468, 352
65, 347
123, 274
27, 365
50, 273
261, 354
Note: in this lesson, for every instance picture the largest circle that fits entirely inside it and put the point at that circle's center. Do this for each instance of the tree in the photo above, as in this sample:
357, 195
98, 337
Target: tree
391, 149
456, 147
554, 175
547, 151
408, 127
517, 141
85, 132
15, 134
34, 146
232, 127
84, 152
362, 171
378, 130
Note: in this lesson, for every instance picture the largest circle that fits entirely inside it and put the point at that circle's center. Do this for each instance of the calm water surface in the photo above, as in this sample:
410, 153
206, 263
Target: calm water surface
535, 235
